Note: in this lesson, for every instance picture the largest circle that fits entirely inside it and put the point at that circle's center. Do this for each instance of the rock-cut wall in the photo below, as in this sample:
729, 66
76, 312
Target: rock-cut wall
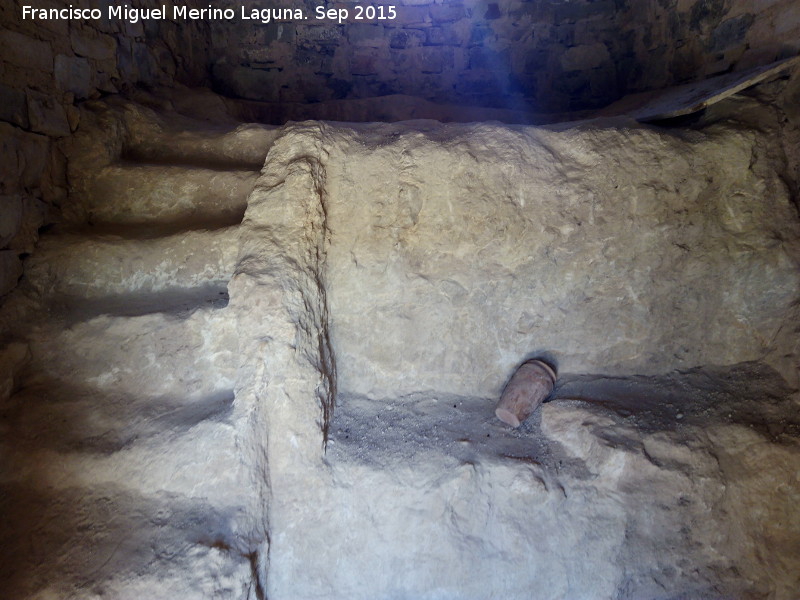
657, 268
279, 382
619, 249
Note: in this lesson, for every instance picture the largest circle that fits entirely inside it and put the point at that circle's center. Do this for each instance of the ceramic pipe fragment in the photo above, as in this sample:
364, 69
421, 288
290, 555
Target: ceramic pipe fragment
530, 385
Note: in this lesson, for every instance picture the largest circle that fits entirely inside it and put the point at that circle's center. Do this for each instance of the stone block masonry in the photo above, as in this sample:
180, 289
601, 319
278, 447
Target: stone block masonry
544, 56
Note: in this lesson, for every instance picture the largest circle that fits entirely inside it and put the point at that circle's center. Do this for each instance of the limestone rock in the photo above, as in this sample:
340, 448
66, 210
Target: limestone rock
34, 214
12, 358
124, 453
275, 401
73, 74
644, 489
10, 271
10, 218
24, 159
46, 115
98, 46
450, 253
619, 248
25, 51
13, 106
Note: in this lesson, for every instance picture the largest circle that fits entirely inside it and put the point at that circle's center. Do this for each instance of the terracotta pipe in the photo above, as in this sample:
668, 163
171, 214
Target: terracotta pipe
530, 385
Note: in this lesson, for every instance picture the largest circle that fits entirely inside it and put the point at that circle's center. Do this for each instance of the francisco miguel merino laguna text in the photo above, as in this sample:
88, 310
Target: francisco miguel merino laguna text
264, 15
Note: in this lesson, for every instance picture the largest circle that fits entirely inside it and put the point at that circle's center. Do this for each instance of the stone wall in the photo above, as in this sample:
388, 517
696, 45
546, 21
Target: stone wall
674, 41
46, 67
530, 57
543, 56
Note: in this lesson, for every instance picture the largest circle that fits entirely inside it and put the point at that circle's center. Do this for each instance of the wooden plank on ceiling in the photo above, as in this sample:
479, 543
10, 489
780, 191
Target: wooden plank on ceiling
693, 97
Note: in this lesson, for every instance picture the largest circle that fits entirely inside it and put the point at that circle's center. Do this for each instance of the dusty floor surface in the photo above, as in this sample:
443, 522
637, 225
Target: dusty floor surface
227, 381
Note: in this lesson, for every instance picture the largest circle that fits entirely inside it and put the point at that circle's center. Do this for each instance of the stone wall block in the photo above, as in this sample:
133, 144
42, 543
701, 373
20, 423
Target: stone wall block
10, 271
87, 43
33, 216
105, 80
603, 82
23, 158
582, 58
592, 32
401, 62
9, 159
441, 36
132, 30
10, 218
47, 116
565, 34
536, 62
476, 81
164, 63
492, 12
311, 57
411, 3
730, 32
247, 83
572, 12
534, 12
447, 13
526, 85
406, 38
486, 58
279, 32
73, 116
73, 74
707, 13
145, 64
25, 51
262, 57
322, 34
788, 23
479, 34
435, 59
363, 62
340, 88
412, 16
125, 63
13, 106
34, 152
364, 35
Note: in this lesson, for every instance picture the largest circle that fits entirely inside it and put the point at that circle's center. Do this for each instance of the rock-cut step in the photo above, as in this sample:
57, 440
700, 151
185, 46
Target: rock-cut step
149, 356
243, 147
107, 542
71, 267
148, 447
185, 197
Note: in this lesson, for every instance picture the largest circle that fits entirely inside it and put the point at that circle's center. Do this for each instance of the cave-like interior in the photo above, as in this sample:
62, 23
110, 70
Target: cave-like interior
265, 274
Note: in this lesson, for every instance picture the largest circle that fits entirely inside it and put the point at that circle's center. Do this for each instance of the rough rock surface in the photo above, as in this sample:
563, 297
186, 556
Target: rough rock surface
300, 404
620, 249
663, 261
652, 488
